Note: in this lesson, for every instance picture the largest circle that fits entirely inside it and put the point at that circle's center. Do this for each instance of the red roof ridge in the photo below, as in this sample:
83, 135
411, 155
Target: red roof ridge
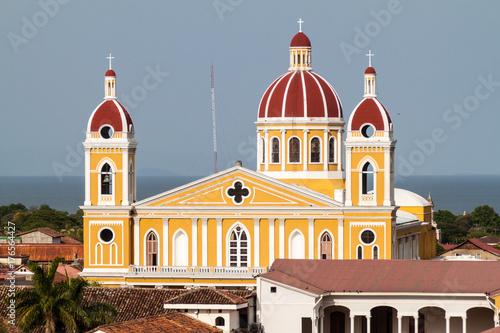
207, 295
484, 246
46, 230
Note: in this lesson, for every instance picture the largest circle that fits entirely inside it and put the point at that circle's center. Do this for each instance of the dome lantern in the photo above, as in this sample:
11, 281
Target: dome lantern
110, 82
300, 51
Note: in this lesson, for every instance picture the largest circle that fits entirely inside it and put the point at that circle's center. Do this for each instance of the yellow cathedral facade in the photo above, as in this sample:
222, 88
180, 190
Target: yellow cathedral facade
322, 189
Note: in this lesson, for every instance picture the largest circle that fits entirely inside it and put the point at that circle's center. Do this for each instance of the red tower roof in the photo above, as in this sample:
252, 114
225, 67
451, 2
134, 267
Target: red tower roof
111, 113
370, 70
301, 94
371, 111
110, 72
300, 40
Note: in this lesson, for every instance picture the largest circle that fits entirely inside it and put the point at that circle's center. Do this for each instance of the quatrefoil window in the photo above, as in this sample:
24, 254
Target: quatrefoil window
238, 192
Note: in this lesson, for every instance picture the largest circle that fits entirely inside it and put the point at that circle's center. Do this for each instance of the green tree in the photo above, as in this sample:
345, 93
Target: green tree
485, 216
57, 307
444, 216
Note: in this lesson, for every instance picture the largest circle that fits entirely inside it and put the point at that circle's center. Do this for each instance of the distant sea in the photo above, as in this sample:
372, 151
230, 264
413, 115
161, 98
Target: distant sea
454, 193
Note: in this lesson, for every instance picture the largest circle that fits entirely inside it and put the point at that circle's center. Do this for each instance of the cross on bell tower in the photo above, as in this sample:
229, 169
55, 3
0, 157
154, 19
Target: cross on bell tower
300, 24
110, 58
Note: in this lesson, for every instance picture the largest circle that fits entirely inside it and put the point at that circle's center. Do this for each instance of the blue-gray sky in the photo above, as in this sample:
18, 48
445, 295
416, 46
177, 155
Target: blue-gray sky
437, 65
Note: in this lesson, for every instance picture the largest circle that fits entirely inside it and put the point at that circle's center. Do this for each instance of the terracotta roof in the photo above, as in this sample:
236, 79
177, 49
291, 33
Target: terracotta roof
112, 113
492, 330
207, 296
370, 110
427, 276
370, 70
479, 244
52, 233
110, 72
46, 252
448, 246
169, 323
490, 239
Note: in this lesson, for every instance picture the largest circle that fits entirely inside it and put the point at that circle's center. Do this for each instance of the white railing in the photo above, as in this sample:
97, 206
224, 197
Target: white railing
198, 271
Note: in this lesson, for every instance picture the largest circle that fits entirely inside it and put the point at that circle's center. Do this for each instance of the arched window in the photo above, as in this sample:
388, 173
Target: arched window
181, 249
331, 150
294, 150
315, 150
263, 145
238, 248
106, 179
375, 252
367, 178
151, 249
326, 246
359, 252
219, 321
297, 248
276, 150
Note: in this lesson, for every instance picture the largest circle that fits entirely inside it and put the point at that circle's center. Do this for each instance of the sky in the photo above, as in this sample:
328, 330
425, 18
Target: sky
436, 61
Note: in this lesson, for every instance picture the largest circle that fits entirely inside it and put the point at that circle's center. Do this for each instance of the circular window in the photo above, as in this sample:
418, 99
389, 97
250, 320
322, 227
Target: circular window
367, 131
106, 235
107, 132
368, 237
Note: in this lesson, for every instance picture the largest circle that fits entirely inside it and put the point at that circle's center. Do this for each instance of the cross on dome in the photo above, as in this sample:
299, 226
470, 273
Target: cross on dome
370, 55
110, 57
300, 24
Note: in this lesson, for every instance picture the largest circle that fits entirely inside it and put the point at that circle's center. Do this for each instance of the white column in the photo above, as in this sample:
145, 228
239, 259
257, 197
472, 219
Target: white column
165, 242
415, 322
324, 154
87, 178
387, 177
137, 245
281, 240
194, 242
447, 324
219, 242
271, 241
204, 242
125, 170
368, 323
340, 150
399, 324
268, 151
340, 239
311, 238
348, 181
464, 324
305, 154
352, 323
256, 242
283, 149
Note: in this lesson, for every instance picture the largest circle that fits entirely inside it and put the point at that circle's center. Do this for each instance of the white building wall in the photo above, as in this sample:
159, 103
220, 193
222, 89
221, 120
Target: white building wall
231, 318
283, 310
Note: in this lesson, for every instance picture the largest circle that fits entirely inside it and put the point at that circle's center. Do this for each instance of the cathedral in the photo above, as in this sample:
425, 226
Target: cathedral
322, 189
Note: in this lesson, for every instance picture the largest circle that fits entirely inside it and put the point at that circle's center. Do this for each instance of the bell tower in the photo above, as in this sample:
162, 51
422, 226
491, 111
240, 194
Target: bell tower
110, 147
370, 150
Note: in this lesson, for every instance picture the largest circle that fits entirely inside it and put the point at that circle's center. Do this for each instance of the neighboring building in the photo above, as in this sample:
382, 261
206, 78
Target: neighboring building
471, 249
44, 253
45, 235
490, 240
378, 296
172, 322
303, 201
219, 308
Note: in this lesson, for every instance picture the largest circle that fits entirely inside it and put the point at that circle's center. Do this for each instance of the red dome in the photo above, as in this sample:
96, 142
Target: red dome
370, 111
300, 94
370, 70
300, 40
110, 72
111, 113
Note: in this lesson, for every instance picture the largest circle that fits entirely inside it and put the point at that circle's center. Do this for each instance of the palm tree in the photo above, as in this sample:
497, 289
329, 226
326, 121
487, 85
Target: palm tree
57, 307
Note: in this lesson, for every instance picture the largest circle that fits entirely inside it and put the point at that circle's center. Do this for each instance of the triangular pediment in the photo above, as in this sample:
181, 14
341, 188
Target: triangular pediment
238, 187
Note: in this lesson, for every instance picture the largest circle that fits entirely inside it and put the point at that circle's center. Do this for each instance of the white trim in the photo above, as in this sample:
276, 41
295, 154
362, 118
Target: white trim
174, 245
256, 247
285, 94
320, 150
165, 241
144, 246
290, 248
194, 241
99, 235
99, 262
270, 151
374, 238
238, 180
204, 242
206, 307
219, 241
305, 174
111, 253
341, 238
276, 83
248, 241
114, 171
310, 238
373, 251
137, 246
319, 242
281, 238
334, 149
272, 250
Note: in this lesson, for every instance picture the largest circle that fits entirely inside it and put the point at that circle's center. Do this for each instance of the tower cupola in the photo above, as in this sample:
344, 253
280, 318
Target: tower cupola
370, 74
110, 82
300, 51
